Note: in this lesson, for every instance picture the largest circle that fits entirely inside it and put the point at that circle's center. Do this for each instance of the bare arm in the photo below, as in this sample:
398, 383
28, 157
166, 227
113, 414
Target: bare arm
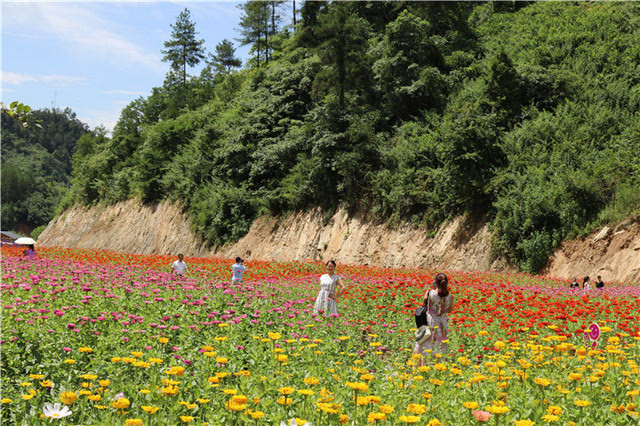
341, 287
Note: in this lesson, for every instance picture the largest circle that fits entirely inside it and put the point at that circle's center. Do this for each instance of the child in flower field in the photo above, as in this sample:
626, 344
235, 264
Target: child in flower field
440, 303
326, 300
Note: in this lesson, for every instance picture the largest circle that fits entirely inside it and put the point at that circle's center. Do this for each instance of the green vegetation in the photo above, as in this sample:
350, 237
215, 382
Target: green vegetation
524, 112
36, 164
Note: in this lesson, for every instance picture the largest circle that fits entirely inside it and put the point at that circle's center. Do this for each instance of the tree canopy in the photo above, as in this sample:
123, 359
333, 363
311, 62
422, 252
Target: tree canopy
523, 113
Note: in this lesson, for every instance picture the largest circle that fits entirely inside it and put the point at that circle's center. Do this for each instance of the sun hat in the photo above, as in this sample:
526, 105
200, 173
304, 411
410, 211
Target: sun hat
422, 334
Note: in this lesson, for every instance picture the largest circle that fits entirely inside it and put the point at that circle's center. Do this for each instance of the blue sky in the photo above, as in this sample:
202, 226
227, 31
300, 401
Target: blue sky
96, 57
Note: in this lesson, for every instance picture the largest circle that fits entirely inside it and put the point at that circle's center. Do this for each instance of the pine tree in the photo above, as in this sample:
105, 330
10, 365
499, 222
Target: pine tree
183, 49
254, 27
224, 59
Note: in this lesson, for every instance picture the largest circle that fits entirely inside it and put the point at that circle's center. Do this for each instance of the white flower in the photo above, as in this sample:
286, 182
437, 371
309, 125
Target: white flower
294, 423
55, 411
118, 396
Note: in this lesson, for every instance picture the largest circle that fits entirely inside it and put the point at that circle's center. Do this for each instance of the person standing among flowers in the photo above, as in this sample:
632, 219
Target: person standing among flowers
585, 284
179, 267
327, 298
439, 303
238, 268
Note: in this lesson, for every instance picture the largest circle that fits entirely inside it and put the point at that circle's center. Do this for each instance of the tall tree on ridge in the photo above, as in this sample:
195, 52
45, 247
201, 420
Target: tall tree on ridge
254, 24
224, 59
183, 49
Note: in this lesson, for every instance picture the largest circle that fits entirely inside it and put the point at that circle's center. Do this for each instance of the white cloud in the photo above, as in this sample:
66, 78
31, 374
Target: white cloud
83, 31
54, 80
101, 117
15, 78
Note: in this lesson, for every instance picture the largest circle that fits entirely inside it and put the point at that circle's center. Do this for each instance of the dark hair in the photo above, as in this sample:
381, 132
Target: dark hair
599, 277
441, 284
238, 259
331, 261
585, 279
180, 255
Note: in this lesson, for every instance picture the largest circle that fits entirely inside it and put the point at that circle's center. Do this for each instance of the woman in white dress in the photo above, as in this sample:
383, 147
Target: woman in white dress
440, 303
327, 298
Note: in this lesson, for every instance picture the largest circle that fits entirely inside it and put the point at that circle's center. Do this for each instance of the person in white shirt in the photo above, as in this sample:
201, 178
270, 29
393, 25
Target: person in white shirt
179, 267
238, 268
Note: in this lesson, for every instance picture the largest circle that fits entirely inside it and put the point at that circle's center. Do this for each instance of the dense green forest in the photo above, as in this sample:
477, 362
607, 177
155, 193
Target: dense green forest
36, 166
524, 113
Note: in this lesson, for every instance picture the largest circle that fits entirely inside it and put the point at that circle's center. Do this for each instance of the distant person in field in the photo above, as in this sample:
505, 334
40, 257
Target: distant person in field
30, 252
179, 267
331, 287
238, 269
439, 303
574, 283
585, 284
599, 283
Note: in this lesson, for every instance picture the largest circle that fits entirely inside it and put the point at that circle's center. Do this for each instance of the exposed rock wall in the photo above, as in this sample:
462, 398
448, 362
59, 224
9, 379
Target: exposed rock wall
461, 244
127, 227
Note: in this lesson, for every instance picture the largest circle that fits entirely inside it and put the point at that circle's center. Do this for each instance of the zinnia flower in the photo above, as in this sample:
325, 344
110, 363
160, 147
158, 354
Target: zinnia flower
68, 398
417, 408
409, 419
481, 416
524, 423
56, 411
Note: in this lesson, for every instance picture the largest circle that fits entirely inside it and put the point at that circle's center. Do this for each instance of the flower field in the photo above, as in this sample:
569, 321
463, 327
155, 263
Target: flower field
94, 337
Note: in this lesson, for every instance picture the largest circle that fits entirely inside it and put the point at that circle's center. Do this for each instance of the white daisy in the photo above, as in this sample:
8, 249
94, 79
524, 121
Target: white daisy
56, 411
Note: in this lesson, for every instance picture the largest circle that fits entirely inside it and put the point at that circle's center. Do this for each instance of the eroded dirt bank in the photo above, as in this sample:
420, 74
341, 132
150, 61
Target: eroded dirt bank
462, 244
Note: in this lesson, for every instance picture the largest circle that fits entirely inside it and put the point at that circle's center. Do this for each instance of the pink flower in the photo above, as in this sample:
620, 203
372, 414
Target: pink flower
66, 349
481, 416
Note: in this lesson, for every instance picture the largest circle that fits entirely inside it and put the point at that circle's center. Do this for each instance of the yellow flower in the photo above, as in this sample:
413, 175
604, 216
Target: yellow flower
550, 418
409, 419
283, 400
286, 390
163, 340
27, 397
374, 417
282, 357
6, 401
255, 414
239, 399
69, 361
149, 409
344, 418
84, 392
311, 381
155, 360
554, 409
186, 419
203, 400
436, 382
542, 382
524, 423
230, 391
133, 422
416, 408
434, 422
36, 376
387, 409
46, 383
471, 405
94, 398
582, 403
85, 350
497, 409
221, 360
121, 403
169, 390
575, 376
358, 386
274, 336
68, 398
116, 359
175, 371
306, 392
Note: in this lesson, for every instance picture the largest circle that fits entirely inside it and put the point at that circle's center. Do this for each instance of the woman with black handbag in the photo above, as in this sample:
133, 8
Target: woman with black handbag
439, 303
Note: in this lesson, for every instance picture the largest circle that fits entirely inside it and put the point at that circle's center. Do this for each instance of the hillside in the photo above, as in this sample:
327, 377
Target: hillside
417, 113
36, 166
462, 244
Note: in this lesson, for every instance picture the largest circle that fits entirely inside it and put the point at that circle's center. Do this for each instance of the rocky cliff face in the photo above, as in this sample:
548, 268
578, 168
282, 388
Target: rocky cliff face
462, 244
